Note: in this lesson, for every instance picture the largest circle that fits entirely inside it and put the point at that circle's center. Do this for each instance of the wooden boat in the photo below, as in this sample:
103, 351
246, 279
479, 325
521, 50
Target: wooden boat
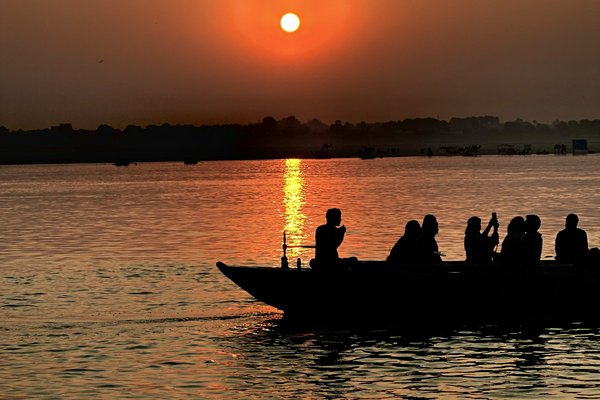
122, 163
367, 153
324, 153
450, 291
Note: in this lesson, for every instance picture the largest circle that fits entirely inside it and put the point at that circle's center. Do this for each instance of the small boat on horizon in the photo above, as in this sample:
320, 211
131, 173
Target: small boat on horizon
122, 163
324, 153
367, 153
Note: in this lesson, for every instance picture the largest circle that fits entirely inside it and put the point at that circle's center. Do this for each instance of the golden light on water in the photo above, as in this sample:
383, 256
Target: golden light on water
293, 201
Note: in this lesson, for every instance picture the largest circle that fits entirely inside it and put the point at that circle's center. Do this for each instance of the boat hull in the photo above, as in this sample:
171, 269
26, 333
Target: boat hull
450, 291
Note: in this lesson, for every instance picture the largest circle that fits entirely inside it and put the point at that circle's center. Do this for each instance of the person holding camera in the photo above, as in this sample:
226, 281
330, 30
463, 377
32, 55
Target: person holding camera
479, 246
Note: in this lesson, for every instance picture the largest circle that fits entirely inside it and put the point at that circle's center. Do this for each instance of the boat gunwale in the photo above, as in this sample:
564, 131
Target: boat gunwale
448, 267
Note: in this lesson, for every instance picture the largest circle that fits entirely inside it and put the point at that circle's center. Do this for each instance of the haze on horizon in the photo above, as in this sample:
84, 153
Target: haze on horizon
122, 62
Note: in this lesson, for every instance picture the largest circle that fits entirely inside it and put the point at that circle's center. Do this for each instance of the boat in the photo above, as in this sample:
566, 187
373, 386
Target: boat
122, 163
507, 149
190, 161
324, 153
450, 291
366, 153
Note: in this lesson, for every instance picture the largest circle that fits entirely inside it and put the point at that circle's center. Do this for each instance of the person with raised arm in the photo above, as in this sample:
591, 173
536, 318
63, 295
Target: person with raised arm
479, 246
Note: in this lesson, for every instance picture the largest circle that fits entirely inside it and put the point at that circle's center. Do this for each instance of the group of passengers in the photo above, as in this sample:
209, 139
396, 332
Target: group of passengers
418, 244
522, 244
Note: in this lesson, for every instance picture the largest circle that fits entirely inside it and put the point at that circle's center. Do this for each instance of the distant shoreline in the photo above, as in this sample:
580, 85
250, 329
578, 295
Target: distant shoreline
291, 138
183, 162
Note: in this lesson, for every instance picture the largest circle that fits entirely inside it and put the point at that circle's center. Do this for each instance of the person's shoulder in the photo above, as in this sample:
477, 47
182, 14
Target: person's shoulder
533, 236
323, 229
581, 234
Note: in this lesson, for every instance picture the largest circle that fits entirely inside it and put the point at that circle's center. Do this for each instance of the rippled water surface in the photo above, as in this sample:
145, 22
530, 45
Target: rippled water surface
108, 286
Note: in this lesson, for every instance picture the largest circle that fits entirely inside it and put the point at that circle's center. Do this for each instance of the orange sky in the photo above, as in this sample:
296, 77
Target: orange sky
214, 61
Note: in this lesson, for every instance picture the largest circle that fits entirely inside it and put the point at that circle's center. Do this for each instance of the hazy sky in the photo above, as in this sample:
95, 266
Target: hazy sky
118, 62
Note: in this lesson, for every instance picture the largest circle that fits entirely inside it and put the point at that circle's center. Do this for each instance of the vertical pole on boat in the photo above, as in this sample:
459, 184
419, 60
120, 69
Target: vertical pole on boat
284, 260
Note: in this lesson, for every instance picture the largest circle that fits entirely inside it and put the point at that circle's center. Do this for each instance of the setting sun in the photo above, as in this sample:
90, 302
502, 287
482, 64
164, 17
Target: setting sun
290, 22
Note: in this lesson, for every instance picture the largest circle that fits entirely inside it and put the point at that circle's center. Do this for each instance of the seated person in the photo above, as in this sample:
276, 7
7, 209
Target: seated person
328, 238
571, 243
512, 245
479, 247
408, 249
429, 229
532, 240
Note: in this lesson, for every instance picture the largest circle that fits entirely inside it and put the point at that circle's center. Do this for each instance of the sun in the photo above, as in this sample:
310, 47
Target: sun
290, 22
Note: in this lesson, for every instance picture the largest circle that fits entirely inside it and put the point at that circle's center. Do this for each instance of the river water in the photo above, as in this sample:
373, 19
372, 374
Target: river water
108, 284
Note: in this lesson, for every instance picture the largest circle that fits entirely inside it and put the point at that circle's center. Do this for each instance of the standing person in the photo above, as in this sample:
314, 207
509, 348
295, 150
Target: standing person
479, 246
408, 250
571, 243
532, 239
430, 228
328, 238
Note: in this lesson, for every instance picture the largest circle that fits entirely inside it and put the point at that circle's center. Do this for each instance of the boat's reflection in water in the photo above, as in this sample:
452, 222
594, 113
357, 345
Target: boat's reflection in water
428, 361
293, 201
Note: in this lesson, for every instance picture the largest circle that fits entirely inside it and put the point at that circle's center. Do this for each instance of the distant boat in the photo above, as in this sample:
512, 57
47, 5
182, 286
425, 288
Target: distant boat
467, 151
323, 153
471, 151
122, 163
427, 152
367, 153
452, 290
560, 149
510, 149
190, 161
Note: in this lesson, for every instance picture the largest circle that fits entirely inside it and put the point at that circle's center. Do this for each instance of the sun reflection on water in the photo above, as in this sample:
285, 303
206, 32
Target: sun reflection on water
293, 201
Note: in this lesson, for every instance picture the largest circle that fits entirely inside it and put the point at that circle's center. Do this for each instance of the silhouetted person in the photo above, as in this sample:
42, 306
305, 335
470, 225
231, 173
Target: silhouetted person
532, 240
512, 245
479, 246
408, 249
571, 243
328, 238
429, 229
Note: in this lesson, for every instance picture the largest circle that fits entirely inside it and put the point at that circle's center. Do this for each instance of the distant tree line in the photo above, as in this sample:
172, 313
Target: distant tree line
272, 138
